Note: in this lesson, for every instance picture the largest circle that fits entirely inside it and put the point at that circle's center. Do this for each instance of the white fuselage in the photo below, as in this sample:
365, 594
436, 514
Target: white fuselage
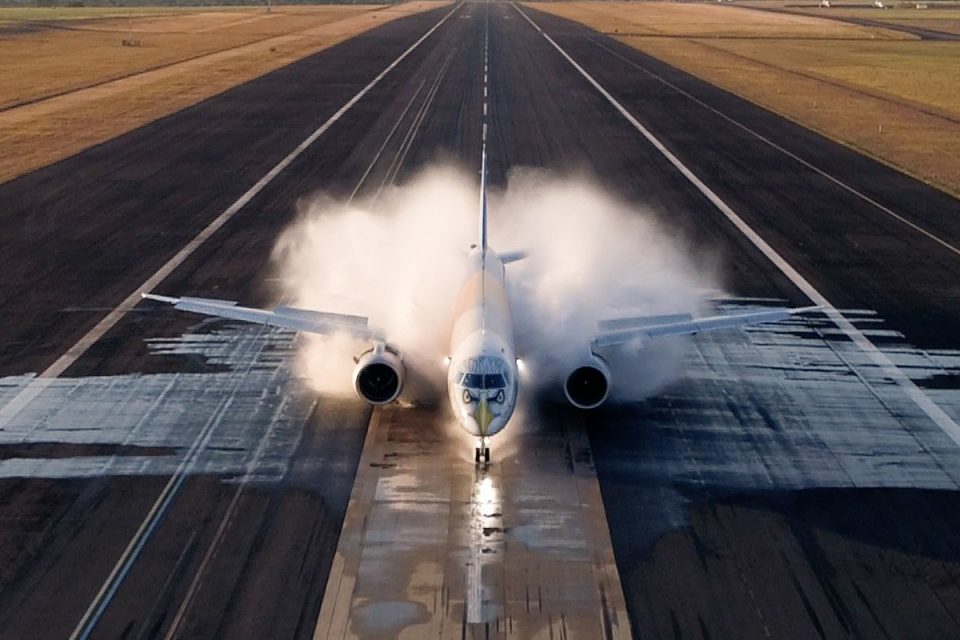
482, 378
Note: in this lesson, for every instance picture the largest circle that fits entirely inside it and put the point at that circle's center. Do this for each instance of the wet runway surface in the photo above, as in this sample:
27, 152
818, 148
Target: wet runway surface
180, 480
434, 546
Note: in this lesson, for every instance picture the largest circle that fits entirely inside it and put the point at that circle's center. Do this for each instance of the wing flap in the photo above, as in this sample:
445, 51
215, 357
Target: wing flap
619, 324
321, 316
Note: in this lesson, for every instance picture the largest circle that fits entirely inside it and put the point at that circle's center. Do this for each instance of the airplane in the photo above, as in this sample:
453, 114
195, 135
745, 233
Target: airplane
482, 368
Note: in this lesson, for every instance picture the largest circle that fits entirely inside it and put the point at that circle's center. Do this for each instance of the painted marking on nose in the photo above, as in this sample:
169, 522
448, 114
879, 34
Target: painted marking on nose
483, 415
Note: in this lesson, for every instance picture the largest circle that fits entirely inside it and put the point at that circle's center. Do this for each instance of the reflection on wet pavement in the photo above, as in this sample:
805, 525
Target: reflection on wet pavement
432, 546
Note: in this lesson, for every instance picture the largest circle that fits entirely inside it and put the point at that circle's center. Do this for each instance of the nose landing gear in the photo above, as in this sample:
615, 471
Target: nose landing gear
482, 452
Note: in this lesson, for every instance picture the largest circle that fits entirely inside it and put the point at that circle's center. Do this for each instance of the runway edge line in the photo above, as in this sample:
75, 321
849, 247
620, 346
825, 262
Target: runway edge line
773, 145
333, 619
98, 606
36, 386
932, 410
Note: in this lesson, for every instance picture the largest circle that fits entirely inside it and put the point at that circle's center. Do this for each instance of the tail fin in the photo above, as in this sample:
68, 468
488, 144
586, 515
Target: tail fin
483, 201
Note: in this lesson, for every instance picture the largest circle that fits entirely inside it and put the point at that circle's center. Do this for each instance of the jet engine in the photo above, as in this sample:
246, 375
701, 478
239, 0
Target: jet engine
589, 383
378, 377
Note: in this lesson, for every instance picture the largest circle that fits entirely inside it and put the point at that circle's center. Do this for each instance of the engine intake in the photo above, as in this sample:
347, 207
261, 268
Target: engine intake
589, 384
378, 378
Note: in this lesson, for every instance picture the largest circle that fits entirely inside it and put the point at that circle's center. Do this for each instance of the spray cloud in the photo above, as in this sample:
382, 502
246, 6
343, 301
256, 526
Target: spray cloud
399, 261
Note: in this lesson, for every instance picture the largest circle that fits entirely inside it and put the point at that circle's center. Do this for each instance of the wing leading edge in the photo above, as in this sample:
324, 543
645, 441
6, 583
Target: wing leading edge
283, 317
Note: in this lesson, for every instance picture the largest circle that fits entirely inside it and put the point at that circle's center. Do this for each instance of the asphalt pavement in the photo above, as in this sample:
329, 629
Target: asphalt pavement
173, 477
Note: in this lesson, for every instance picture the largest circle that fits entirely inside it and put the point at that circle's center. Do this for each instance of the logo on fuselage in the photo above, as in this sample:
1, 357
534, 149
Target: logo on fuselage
485, 389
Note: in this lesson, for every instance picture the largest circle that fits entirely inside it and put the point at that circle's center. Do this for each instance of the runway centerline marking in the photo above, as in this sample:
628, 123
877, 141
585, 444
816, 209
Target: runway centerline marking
35, 387
889, 369
473, 588
840, 183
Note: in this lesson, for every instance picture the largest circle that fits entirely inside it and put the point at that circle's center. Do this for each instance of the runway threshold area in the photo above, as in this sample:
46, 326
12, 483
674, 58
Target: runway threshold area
435, 546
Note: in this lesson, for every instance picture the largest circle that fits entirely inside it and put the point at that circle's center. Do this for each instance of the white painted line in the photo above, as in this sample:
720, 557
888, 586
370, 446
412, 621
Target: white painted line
20, 401
33, 389
225, 521
474, 569
889, 369
333, 620
419, 118
843, 185
159, 508
386, 141
132, 551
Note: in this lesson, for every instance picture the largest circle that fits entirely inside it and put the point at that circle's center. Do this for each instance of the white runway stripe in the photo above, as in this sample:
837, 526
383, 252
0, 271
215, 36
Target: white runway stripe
31, 391
921, 399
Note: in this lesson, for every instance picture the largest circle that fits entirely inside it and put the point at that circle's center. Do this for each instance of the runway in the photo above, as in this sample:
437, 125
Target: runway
177, 479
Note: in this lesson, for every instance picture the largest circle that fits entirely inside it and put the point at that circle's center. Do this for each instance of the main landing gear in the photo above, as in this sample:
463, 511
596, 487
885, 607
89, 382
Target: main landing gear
482, 453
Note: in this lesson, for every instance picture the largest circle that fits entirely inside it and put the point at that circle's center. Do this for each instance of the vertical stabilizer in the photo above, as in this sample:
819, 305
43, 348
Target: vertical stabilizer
483, 201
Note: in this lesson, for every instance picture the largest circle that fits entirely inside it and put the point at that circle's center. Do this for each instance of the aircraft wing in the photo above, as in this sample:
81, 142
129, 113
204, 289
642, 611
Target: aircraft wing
283, 317
649, 327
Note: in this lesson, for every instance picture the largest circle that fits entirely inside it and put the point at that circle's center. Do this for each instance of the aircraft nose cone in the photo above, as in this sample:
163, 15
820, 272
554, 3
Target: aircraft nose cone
483, 415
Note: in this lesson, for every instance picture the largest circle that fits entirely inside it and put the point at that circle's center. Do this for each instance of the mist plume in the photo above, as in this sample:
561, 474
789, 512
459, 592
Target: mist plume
399, 260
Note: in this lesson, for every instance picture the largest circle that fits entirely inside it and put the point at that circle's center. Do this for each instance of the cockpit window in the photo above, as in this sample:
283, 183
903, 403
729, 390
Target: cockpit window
484, 372
472, 380
494, 381
483, 381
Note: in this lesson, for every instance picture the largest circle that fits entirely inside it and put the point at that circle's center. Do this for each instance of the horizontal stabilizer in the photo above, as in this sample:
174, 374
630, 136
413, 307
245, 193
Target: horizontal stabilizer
291, 318
512, 256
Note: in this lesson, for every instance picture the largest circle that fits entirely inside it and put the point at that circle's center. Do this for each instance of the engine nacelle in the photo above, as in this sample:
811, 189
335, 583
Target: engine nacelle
378, 378
589, 383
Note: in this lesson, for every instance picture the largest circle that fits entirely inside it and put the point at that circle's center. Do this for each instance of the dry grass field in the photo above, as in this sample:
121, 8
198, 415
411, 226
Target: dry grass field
947, 24
701, 20
69, 82
883, 92
50, 56
939, 16
43, 14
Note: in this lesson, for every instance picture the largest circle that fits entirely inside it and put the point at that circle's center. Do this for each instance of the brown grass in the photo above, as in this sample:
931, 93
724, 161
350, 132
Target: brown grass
65, 89
39, 64
894, 98
704, 20
938, 18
